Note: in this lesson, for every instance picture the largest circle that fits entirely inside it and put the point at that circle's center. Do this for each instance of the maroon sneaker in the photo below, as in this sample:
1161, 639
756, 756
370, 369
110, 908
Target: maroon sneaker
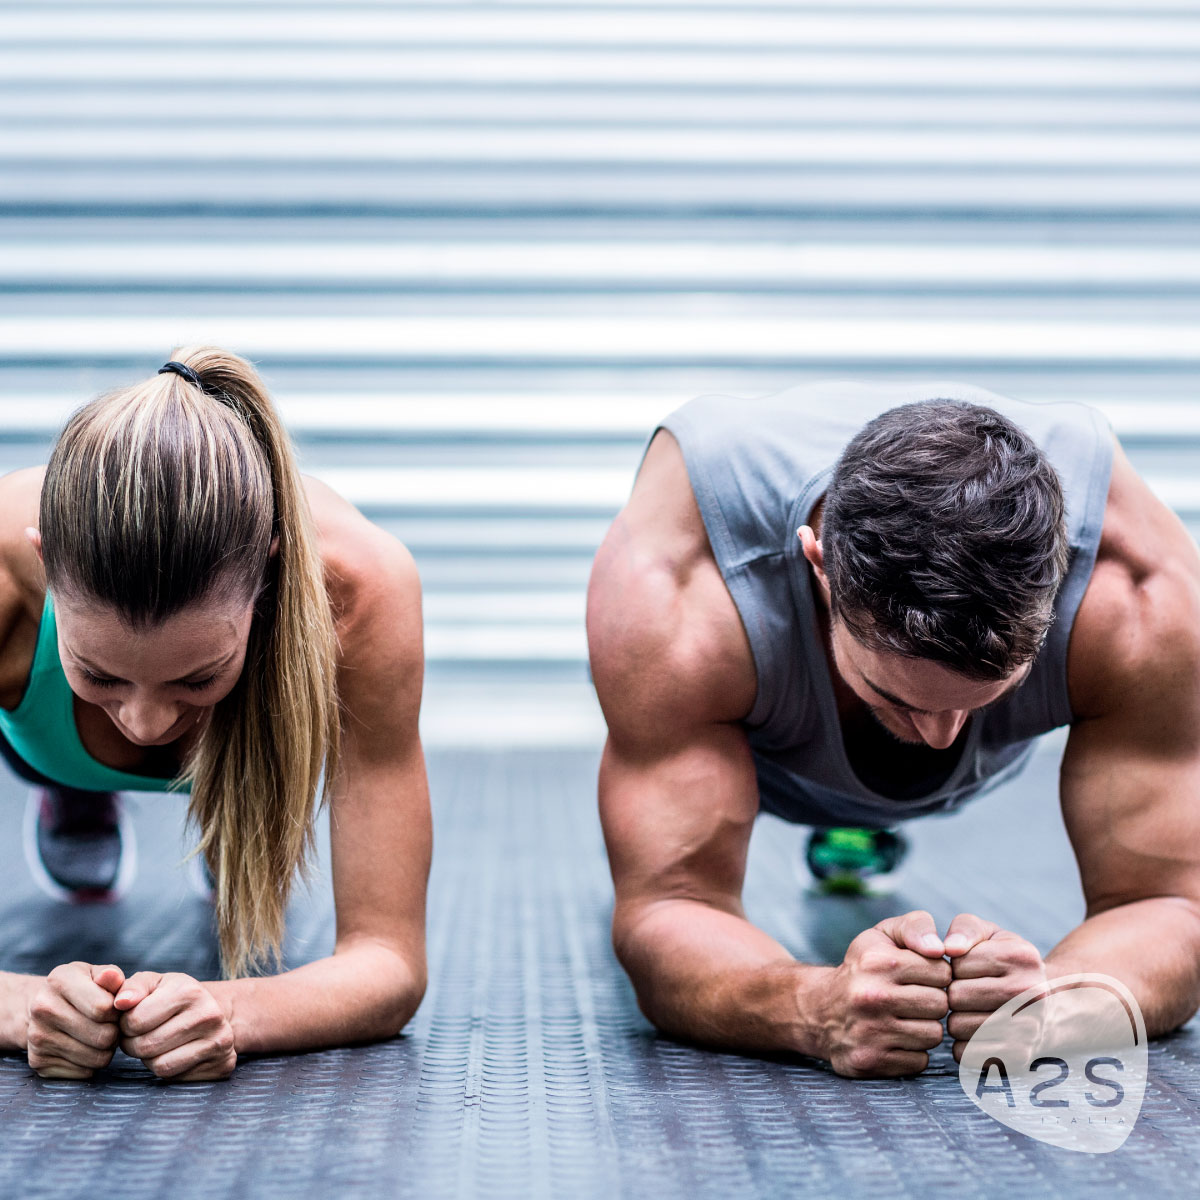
79, 845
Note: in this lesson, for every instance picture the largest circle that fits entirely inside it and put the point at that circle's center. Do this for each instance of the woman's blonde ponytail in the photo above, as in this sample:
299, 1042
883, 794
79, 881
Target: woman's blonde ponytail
256, 774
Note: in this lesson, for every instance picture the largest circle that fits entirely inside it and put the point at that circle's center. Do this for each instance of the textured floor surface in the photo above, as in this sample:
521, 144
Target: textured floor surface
528, 1071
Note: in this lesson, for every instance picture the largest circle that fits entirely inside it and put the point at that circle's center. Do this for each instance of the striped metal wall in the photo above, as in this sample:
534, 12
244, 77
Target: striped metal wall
479, 248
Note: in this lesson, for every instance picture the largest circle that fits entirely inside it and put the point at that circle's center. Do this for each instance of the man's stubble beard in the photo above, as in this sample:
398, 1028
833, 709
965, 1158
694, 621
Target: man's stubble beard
900, 739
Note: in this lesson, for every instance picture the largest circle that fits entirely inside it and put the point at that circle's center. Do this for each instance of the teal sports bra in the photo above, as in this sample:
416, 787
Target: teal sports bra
42, 730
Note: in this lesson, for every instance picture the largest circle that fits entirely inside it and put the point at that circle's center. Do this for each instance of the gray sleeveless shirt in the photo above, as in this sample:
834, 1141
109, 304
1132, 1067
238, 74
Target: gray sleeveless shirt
757, 468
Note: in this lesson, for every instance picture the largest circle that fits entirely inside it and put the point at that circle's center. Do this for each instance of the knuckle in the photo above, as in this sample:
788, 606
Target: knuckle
37, 1038
960, 1026
42, 1006
878, 962
863, 1059
867, 997
131, 1025
209, 1021
932, 1036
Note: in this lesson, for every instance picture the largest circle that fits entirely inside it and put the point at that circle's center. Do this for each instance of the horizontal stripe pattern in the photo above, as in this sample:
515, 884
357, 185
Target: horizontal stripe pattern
479, 250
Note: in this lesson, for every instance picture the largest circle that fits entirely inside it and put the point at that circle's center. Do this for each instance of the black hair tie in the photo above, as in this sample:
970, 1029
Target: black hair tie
183, 371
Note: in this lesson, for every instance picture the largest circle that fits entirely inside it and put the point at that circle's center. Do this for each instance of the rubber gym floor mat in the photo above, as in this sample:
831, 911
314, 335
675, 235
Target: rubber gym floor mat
528, 1071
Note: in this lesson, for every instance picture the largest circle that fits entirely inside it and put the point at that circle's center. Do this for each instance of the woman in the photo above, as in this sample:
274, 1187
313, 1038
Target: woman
178, 608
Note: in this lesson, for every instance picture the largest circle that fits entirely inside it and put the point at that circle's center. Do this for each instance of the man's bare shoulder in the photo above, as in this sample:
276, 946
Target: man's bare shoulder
1135, 644
667, 646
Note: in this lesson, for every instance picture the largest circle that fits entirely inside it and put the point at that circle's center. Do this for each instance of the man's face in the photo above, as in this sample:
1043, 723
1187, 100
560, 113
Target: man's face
914, 699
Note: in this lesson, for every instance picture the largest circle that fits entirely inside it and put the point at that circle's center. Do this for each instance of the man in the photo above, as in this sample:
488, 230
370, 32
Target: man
854, 604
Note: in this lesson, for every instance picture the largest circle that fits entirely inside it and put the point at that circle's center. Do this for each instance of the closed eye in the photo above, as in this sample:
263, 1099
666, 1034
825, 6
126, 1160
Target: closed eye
198, 685
99, 680
104, 681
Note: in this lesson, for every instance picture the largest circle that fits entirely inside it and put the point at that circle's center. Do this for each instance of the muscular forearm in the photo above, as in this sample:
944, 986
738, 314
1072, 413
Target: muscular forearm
710, 976
363, 992
1152, 946
15, 991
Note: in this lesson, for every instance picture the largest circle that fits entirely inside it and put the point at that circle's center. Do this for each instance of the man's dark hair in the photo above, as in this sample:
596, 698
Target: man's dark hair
944, 538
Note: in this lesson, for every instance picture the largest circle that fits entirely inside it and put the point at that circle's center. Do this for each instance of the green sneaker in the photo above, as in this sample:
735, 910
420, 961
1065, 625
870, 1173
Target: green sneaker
845, 861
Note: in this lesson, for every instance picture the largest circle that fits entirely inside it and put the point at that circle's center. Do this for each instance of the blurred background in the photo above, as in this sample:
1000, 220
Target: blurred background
477, 250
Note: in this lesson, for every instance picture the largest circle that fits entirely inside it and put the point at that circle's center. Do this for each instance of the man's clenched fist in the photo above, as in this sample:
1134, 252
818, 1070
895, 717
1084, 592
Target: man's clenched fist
990, 966
886, 1001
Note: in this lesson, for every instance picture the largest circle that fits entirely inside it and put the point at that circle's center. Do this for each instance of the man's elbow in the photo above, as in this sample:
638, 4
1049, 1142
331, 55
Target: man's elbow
636, 943
632, 937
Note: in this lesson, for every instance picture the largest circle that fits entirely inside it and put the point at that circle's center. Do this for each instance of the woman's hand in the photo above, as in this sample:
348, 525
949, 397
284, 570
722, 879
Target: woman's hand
71, 1029
174, 1024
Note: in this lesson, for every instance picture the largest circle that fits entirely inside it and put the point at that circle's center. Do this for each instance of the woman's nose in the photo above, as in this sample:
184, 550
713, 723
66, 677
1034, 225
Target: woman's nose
147, 721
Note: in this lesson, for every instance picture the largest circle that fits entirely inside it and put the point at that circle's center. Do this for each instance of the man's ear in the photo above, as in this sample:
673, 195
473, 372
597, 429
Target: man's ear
35, 540
814, 552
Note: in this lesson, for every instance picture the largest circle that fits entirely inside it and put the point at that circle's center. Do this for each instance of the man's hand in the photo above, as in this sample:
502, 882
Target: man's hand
71, 1028
887, 999
990, 966
174, 1024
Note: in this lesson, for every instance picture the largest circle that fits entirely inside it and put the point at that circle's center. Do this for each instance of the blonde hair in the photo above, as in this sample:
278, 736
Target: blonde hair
164, 494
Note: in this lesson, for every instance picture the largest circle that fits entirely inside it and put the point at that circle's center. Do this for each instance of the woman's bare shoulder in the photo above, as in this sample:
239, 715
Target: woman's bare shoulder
374, 588
21, 576
22, 581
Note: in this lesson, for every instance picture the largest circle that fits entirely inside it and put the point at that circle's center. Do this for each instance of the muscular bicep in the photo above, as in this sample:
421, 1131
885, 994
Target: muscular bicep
1131, 804
677, 822
1131, 773
674, 675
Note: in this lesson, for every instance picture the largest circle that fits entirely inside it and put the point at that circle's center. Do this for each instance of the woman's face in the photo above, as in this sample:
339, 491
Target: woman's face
159, 683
